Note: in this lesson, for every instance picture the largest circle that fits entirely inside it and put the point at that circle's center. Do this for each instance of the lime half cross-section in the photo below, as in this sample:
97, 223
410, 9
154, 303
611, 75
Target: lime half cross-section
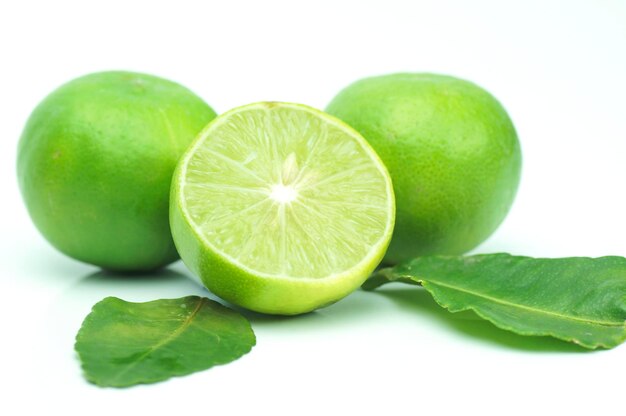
281, 208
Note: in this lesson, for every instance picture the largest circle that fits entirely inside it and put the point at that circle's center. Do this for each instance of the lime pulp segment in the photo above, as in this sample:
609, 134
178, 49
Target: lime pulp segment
286, 191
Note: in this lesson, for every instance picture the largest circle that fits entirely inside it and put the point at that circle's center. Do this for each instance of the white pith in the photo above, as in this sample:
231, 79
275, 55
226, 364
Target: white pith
288, 200
284, 194
285, 190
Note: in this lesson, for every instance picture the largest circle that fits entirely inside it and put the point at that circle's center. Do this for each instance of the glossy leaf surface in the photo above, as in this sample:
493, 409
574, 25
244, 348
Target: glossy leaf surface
577, 299
122, 343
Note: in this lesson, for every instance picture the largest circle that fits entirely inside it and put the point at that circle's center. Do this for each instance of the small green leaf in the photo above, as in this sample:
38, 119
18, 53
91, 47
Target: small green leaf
577, 299
122, 343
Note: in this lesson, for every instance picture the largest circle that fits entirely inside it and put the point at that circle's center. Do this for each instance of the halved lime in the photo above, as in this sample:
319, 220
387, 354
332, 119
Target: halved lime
281, 208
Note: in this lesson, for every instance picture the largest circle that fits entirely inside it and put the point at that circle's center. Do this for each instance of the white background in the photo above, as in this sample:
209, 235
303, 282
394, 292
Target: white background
559, 67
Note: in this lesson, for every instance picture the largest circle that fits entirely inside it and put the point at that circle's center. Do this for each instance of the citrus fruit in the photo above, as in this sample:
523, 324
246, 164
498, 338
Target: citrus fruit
281, 208
452, 153
95, 163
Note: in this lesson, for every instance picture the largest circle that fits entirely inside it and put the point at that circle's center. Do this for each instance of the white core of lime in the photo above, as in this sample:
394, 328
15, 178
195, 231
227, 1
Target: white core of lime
286, 194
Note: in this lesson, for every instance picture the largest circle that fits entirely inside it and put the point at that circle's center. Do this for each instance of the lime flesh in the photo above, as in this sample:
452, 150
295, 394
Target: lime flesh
281, 208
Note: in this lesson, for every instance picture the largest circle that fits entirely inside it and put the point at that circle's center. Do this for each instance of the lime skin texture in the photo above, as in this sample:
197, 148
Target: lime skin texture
95, 162
451, 150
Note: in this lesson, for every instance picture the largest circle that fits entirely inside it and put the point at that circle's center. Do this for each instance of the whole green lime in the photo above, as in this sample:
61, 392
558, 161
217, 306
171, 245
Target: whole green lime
452, 153
95, 162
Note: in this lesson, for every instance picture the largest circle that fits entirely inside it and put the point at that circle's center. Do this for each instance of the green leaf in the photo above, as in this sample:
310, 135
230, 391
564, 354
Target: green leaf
122, 343
577, 299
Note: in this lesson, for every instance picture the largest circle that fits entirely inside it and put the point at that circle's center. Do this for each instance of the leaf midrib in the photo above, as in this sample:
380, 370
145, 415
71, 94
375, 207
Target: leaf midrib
520, 306
186, 323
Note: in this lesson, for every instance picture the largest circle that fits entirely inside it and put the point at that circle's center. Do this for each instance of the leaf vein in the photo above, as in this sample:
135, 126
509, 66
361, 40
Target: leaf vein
521, 306
186, 323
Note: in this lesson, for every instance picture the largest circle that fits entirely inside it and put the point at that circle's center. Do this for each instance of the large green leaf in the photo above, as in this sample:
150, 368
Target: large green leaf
577, 299
122, 343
